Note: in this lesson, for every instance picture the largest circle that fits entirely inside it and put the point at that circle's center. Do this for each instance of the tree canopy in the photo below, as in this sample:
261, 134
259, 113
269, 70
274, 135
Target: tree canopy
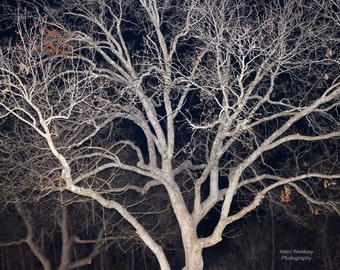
206, 102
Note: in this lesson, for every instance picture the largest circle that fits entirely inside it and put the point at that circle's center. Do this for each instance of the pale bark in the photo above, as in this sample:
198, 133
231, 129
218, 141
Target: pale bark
215, 87
67, 242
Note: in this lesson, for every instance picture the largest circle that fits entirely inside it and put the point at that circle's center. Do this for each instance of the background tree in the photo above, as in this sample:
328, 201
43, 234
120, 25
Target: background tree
47, 222
215, 90
61, 230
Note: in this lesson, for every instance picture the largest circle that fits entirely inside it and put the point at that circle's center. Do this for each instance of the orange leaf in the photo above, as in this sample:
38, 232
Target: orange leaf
285, 194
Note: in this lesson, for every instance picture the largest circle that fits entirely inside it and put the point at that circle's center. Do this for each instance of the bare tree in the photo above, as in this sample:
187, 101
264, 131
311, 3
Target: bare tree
61, 230
216, 90
47, 221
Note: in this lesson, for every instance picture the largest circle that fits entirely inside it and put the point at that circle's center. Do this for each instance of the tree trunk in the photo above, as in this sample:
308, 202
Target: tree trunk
22, 258
193, 258
66, 242
326, 257
192, 250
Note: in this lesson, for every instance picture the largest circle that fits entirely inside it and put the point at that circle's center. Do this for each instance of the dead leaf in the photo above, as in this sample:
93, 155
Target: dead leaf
23, 68
285, 194
329, 53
